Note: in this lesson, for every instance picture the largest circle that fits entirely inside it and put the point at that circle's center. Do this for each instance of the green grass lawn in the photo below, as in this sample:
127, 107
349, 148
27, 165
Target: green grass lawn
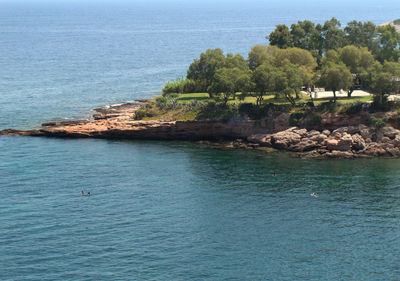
185, 98
183, 114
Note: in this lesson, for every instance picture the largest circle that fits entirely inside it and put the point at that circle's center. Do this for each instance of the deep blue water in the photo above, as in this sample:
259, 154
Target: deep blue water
171, 210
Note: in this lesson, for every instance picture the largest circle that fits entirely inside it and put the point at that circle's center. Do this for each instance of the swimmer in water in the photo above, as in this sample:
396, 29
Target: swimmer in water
88, 194
314, 194
274, 174
82, 192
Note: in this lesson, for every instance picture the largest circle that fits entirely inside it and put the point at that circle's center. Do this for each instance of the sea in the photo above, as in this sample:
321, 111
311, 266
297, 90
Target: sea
172, 210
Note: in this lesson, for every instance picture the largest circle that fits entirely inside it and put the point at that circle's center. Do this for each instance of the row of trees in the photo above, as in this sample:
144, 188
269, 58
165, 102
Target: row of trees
303, 56
382, 41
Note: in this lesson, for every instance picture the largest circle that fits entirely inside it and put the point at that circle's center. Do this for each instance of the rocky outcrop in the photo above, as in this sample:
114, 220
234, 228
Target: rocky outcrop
350, 141
344, 142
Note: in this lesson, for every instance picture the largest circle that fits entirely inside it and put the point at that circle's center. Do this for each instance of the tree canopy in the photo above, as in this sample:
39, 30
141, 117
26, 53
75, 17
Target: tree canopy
334, 57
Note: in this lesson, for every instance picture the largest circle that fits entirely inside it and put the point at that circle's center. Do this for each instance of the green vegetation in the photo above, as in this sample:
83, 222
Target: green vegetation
299, 57
377, 122
198, 106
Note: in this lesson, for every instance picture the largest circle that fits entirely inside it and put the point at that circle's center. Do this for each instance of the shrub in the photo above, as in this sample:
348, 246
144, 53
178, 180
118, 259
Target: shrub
161, 102
195, 105
218, 111
377, 122
327, 107
253, 111
353, 108
180, 86
296, 118
168, 102
144, 112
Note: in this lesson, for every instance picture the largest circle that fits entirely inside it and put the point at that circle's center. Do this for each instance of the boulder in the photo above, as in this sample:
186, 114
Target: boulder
340, 154
366, 133
396, 141
261, 139
393, 151
390, 132
353, 130
320, 138
358, 142
308, 145
343, 144
312, 133
341, 130
331, 144
304, 146
284, 139
375, 149
326, 132
336, 135
301, 132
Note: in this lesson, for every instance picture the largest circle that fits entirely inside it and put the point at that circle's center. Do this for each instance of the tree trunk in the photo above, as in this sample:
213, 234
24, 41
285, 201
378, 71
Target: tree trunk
226, 100
290, 98
350, 92
259, 99
310, 93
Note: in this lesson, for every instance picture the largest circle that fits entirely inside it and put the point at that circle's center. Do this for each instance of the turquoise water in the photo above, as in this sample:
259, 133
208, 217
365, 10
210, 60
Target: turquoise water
171, 210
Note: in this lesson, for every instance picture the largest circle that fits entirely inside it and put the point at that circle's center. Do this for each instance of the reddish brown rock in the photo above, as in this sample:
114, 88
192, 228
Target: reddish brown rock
396, 141
285, 139
261, 139
340, 154
390, 132
326, 132
331, 144
358, 142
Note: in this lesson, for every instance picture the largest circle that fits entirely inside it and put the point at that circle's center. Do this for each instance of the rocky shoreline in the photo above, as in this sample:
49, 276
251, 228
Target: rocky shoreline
343, 136
344, 142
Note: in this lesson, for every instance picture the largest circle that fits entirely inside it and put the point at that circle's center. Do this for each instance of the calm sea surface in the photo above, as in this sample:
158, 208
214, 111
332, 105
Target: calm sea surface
171, 210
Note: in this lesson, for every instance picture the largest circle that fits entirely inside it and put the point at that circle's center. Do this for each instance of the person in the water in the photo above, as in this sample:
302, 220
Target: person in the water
82, 192
314, 194
88, 194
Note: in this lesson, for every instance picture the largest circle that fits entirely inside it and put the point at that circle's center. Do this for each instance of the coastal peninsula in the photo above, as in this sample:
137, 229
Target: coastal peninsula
316, 90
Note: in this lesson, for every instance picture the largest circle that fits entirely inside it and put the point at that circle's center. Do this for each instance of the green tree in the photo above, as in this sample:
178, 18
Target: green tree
297, 56
282, 85
335, 77
295, 80
361, 34
385, 79
331, 56
232, 61
388, 42
203, 70
334, 37
358, 60
228, 81
280, 37
263, 79
257, 56
302, 34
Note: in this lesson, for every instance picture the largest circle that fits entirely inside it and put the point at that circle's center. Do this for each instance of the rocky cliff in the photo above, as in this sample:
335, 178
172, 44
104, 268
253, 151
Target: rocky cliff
339, 136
